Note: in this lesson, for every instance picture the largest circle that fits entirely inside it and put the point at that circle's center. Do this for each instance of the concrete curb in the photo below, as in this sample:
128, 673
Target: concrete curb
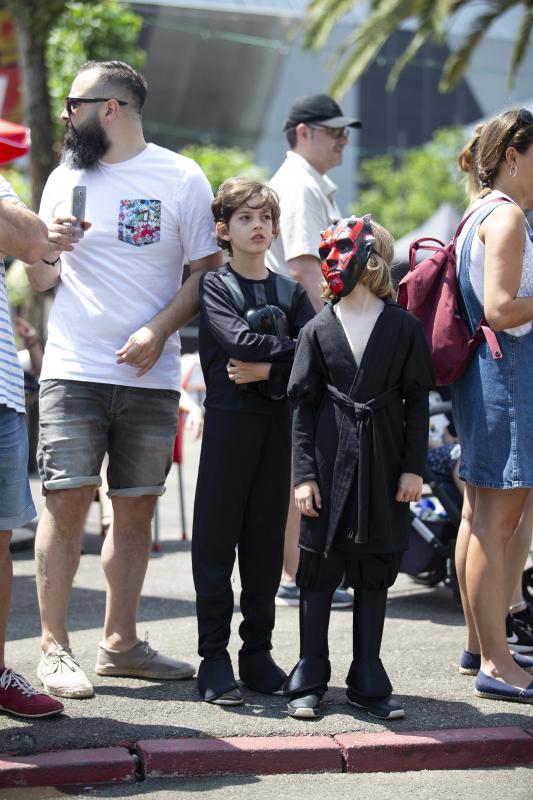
260, 755
442, 749
66, 767
271, 755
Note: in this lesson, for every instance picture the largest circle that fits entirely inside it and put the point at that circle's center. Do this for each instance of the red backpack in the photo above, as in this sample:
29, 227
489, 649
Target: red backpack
430, 291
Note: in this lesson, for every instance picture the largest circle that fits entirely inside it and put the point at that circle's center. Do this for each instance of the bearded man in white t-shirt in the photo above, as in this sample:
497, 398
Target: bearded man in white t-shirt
317, 133
111, 371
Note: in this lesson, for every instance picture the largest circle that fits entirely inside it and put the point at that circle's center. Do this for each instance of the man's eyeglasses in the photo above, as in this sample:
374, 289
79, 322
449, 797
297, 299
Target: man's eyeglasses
524, 117
335, 133
72, 103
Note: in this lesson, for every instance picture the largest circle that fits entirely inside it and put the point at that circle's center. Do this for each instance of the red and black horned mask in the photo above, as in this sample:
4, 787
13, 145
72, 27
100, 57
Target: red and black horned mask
344, 252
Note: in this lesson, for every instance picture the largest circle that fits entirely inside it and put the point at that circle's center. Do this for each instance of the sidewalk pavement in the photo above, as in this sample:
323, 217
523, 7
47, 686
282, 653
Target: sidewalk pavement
133, 728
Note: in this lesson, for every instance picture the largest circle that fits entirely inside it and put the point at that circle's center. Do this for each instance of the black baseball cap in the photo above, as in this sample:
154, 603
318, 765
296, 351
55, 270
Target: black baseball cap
319, 108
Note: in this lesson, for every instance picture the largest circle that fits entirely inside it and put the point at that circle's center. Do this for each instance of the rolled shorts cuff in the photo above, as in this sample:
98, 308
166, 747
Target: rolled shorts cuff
496, 484
18, 520
137, 491
71, 483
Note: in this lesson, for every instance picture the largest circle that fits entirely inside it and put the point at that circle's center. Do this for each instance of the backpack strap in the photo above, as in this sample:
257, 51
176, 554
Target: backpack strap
483, 331
233, 287
436, 246
285, 291
465, 219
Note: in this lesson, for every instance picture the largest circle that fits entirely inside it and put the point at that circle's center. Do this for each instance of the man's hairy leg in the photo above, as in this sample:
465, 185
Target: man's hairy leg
125, 555
57, 556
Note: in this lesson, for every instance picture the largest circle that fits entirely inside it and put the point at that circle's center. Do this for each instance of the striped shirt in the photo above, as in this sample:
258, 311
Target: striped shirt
11, 375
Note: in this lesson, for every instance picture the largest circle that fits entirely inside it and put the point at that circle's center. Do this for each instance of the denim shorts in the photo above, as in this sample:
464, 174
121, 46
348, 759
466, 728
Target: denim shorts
80, 421
16, 504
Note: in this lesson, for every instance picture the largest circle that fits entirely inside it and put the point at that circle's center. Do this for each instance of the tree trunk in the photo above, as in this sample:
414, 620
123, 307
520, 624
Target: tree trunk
32, 56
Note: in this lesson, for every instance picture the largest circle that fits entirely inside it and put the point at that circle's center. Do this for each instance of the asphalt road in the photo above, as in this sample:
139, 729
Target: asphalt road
490, 784
422, 642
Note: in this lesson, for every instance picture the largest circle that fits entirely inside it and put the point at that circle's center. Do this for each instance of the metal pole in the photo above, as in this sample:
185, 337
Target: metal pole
182, 505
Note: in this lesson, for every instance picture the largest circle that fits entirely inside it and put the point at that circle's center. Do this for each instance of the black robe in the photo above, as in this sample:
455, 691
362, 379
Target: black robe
374, 417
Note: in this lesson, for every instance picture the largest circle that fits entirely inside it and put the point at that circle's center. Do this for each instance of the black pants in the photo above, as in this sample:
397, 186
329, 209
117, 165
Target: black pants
241, 503
370, 575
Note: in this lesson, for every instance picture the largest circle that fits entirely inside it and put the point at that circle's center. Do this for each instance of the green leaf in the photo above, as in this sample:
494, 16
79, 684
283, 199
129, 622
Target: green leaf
402, 192
89, 31
220, 163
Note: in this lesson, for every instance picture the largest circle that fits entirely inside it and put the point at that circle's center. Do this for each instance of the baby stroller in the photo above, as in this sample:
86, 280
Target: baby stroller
434, 523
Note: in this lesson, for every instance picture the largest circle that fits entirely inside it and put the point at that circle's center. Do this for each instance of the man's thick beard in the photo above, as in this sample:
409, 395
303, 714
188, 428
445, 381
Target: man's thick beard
84, 148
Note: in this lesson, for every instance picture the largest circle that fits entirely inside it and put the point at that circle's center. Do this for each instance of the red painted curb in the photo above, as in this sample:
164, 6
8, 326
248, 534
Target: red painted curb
271, 755
442, 749
266, 755
96, 765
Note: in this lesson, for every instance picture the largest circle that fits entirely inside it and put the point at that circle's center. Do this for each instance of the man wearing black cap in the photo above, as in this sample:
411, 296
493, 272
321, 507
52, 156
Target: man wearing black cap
317, 132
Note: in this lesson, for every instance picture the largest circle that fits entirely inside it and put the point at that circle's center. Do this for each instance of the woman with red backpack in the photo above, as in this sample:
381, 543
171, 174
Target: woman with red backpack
492, 399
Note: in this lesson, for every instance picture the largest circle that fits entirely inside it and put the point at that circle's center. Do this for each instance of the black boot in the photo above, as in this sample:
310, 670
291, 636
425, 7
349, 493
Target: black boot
307, 683
369, 686
259, 671
216, 682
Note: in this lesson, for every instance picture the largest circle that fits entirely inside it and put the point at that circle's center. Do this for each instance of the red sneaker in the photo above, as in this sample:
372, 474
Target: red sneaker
18, 697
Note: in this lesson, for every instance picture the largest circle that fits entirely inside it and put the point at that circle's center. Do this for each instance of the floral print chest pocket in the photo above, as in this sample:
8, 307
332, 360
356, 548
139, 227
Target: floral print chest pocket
139, 222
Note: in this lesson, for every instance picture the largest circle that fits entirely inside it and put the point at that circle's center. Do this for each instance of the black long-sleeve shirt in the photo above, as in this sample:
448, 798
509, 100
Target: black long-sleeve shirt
225, 334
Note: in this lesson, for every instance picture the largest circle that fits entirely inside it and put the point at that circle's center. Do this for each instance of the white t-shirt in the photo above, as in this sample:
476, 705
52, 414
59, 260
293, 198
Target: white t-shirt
477, 262
147, 213
307, 201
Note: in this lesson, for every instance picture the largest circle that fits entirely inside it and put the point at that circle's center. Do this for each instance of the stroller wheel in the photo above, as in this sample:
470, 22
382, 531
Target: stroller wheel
430, 577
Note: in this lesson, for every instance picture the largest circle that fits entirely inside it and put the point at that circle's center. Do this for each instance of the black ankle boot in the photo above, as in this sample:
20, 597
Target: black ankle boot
215, 678
259, 671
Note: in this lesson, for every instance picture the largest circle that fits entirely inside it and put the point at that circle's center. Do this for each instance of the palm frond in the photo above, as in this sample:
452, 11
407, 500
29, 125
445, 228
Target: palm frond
433, 17
360, 48
418, 41
322, 16
521, 44
457, 63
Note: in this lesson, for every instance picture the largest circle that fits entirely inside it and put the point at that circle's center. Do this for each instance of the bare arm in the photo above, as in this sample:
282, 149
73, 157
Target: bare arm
185, 305
145, 345
62, 235
22, 234
306, 270
31, 342
503, 234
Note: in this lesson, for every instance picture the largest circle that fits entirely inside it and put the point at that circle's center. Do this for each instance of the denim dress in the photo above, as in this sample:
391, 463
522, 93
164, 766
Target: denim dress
493, 400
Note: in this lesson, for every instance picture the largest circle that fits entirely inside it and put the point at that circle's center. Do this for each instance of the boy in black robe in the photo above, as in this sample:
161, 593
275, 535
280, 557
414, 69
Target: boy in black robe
359, 386
250, 318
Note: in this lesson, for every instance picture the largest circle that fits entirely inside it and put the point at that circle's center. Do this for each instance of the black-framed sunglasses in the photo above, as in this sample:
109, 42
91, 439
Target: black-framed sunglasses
524, 117
72, 103
335, 133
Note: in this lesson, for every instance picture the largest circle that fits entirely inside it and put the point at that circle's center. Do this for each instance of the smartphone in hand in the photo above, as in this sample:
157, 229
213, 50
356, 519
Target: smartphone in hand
79, 195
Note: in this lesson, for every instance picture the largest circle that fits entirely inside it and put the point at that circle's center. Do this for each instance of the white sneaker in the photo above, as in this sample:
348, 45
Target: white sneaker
61, 675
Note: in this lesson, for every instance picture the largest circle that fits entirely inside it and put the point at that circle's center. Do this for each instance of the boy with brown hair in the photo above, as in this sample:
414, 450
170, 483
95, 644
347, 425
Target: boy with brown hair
250, 318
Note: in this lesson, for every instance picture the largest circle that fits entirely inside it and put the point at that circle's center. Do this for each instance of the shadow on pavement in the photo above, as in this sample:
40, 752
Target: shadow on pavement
436, 604
86, 609
102, 731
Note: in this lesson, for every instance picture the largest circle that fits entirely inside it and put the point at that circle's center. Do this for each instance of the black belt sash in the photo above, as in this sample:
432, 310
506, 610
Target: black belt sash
356, 443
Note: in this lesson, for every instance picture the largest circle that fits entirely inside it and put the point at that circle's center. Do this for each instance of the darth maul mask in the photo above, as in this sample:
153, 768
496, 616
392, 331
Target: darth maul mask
344, 252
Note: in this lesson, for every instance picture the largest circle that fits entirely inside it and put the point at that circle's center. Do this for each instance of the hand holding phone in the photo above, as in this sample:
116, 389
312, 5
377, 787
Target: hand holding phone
79, 195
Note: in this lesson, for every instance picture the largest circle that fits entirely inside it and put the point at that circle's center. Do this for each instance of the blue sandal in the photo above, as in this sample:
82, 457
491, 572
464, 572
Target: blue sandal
470, 663
493, 689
